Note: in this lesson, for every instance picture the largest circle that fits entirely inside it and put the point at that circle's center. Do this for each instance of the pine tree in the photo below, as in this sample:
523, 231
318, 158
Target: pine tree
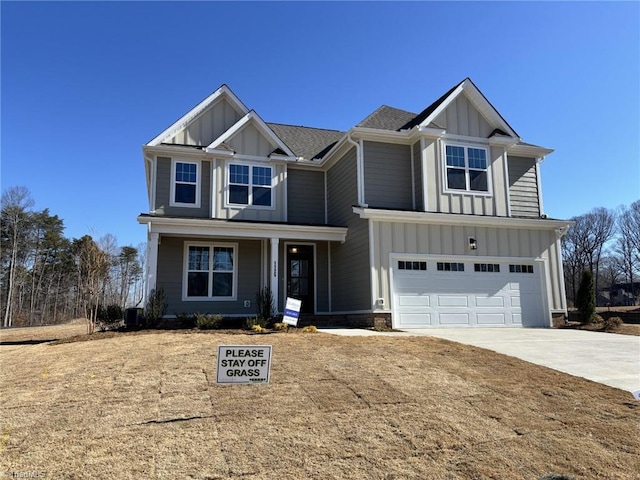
586, 298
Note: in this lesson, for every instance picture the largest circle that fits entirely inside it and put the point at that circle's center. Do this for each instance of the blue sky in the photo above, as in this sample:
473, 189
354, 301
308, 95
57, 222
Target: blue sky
85, 84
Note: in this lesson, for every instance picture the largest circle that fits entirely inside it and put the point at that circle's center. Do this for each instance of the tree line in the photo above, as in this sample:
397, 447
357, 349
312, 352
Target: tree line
48, 278
607, 243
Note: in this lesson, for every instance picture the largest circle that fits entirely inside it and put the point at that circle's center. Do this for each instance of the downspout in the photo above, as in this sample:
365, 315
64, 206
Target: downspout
359, 170
539, 184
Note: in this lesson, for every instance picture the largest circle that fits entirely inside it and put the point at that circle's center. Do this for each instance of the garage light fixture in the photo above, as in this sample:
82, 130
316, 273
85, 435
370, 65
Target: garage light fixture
473, 245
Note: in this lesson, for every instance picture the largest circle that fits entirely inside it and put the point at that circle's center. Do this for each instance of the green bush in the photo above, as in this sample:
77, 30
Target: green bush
155, 308
207, 321
612, 324
586, 298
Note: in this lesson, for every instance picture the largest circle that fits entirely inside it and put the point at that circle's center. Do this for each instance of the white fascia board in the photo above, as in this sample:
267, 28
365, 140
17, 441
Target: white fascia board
221, 228
399, 216
428, 132
276, 157
195, 111
231, 131
221, 152
173, 151
529, 150
375, 134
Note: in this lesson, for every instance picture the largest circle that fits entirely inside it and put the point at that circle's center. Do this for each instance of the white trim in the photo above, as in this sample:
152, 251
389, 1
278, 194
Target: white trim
563, 289
154, 183
205, 227
423, 163
274, 271
375, 280
152, 261
458, 219
529, 150
172, 187
413, 179
505, 162
326, 204
467, 169
315, 270
213, 204
223, 91
284, 185
185, 271
539, 185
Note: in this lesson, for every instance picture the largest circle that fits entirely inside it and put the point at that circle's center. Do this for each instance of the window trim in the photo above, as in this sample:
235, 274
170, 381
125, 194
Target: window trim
185, 272
227, 184
467, 190
172, 189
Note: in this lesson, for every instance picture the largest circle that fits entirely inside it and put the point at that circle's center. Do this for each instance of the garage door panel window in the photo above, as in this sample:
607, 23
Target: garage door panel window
486, 267
450, 267
520, 268
410, 265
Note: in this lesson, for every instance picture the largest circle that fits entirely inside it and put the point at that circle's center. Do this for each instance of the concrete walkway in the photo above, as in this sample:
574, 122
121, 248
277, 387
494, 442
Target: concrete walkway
606, 358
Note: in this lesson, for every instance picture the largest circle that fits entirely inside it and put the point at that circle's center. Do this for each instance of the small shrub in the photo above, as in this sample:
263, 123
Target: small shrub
597, 318
258, 328
207, 321
155, 308
310, 329
264, 305
280, 327
109, 317
612, 324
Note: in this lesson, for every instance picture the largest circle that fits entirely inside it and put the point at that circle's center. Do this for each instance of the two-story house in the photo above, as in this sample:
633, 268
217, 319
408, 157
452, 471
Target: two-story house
428, 219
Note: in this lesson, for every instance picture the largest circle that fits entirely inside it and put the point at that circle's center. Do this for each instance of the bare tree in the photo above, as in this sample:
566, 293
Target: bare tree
16, 201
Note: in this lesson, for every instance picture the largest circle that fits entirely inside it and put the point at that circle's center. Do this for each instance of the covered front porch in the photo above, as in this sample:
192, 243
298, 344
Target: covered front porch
218, 266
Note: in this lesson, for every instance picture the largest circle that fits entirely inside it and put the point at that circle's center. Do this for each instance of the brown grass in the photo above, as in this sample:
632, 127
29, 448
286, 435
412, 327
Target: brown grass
146, 406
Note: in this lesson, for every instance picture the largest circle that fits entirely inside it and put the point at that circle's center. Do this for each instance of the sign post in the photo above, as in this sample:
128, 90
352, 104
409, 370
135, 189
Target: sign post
292, 311
238, 364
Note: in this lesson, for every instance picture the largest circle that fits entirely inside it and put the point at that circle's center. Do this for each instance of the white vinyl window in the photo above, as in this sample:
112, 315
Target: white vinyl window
185, 184
210, 272
250, 185
467, 169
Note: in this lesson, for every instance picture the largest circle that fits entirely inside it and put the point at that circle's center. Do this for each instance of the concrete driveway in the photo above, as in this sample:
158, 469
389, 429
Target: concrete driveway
606, 358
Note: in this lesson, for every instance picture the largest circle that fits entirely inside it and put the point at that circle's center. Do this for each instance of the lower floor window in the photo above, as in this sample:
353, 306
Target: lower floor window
210, 271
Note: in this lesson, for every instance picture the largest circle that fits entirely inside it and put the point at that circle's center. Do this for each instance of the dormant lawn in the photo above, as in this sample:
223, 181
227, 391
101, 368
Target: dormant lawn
146, 405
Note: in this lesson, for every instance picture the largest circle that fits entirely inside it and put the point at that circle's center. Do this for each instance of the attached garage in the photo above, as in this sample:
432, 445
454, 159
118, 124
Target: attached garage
441, 292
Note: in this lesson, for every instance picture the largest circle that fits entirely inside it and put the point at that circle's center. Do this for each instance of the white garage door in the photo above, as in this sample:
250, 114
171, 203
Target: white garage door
436, 293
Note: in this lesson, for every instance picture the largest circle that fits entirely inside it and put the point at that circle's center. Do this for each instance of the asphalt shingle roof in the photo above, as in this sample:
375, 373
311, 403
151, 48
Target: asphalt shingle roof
307, 142
387, 118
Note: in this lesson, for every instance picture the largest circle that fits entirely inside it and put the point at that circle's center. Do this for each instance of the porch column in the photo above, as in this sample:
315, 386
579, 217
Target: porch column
152, 261
274, 272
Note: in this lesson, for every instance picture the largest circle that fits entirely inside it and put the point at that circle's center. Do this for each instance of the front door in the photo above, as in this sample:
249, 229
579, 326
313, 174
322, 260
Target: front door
300, 275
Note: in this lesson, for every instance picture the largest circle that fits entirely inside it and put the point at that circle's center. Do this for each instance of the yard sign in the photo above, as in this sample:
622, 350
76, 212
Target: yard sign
238, 364
292, 311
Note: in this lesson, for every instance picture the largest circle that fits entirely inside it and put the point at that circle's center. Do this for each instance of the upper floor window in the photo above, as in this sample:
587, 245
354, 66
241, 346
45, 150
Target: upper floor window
185, 185
250, 185
467, 168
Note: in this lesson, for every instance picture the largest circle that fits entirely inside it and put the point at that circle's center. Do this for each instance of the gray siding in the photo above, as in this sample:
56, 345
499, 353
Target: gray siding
417, 176
350, 269
523, 187
462, 118
163, 191
305, 196
171, 271
451, 240
207, 126
387, 175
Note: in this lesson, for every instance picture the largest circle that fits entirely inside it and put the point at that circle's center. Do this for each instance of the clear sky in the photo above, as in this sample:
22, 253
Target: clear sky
85, 84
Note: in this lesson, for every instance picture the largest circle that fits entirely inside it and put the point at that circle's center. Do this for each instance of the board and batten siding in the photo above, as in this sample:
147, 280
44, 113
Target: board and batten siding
452, 240
222, 211
305, 196
523, 187
387, 175
171, 272
163, 191
462, 118
249, 141
208, 125
350, 268
464, 202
